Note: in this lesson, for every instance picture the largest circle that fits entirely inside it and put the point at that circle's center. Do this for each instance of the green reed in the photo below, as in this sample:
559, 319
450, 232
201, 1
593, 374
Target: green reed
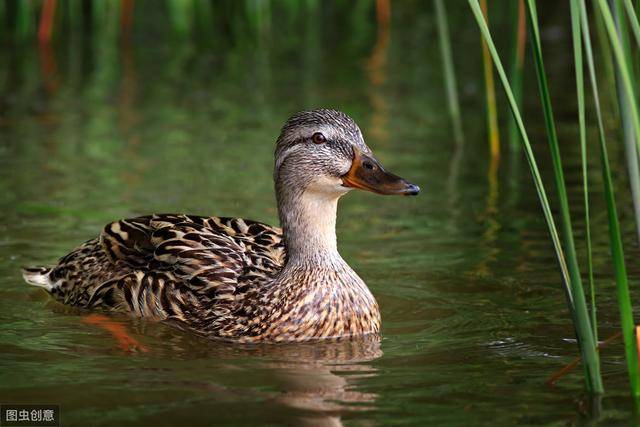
626, 109
573, 289
633, 20
584, 329
622, 283
516, 65
490, 92
618, 34
576, 33
624, 298
623, 67
449, 71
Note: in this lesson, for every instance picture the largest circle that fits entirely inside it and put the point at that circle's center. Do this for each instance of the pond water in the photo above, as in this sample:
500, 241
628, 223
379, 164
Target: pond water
474, 317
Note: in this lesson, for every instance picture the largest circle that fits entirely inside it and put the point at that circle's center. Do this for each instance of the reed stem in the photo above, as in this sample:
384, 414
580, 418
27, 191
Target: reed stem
633, 20
587, 345
623, 67
584, 330
516, 67
577, 56
617, 253
449, 71
625, 114
492, 111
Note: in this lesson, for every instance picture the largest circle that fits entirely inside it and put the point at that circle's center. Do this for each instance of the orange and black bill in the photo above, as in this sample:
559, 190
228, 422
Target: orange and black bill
367, 173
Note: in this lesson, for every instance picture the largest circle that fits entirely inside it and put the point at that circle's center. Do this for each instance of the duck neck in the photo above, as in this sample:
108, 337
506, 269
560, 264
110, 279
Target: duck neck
308, 219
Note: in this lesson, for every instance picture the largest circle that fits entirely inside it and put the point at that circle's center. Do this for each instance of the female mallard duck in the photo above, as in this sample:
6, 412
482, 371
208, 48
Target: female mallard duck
236, 279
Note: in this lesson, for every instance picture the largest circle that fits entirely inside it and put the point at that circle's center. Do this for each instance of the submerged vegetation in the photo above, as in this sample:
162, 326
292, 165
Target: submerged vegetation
618, 36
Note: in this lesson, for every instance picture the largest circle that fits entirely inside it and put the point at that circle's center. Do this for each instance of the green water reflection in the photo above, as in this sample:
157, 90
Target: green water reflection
474, 318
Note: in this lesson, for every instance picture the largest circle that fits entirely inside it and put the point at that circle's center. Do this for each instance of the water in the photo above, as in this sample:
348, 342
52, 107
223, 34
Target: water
474, 318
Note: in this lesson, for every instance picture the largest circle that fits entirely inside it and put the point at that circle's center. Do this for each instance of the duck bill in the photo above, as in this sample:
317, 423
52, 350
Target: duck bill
367, 173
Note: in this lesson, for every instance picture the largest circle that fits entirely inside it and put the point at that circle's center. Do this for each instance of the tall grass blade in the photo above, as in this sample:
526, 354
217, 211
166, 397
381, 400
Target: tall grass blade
633, 20
583, 326
623, 66
577, 56
492, 111
625, 114
587, 345
617, 252
516, 66
449, 71
608, 93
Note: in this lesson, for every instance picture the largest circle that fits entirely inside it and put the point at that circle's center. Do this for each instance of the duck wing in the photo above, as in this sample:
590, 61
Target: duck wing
214, 257
202, 272
207, 273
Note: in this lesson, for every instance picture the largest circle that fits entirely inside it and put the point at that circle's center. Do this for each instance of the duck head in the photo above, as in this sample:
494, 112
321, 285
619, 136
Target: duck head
321, 155
323, 151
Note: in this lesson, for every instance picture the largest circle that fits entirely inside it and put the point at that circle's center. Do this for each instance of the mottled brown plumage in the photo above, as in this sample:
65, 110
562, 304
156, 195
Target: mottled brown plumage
237, 279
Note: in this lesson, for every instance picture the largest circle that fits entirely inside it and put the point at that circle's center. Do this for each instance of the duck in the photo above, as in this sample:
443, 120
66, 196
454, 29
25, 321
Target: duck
235, 279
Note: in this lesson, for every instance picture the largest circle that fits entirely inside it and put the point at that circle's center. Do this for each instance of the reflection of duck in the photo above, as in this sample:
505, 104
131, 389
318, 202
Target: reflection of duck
238, 279
315, 388
304, 383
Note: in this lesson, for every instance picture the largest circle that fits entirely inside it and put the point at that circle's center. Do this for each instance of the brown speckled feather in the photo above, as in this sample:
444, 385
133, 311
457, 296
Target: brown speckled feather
196, 270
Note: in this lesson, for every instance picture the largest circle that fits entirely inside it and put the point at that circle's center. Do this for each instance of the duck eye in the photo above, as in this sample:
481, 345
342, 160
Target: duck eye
318, 138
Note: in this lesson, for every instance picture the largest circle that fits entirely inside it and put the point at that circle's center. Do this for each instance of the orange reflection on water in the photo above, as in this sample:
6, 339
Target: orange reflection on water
117, 329
48, 68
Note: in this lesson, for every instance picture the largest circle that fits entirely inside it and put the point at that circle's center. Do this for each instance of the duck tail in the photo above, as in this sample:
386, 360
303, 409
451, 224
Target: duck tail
38, 276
